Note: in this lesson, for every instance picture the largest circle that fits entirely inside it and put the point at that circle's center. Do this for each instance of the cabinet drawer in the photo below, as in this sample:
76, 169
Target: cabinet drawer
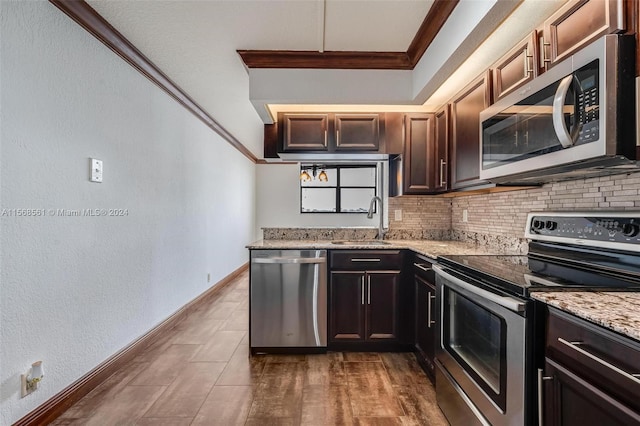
611, 362
366, 259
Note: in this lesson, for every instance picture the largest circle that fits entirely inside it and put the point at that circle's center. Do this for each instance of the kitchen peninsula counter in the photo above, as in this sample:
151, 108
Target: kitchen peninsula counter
617, 311
429, 248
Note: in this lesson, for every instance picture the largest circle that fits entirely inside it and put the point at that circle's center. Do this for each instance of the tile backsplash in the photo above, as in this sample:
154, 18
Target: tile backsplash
505, 213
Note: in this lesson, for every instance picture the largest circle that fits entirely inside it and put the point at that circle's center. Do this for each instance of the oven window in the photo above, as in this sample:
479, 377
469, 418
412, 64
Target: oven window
476, 338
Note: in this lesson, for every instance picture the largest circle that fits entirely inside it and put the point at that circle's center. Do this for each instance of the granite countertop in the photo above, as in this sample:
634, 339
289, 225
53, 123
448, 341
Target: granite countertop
618, 311
429, 248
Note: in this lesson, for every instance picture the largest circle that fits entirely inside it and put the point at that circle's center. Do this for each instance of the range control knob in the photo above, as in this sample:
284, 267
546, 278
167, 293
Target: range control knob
630, 229
551, 225
537, 224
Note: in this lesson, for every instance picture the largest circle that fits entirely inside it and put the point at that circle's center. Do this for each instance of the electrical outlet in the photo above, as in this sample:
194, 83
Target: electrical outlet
23, 386
24, 389
465, 215
398, 215
96, 170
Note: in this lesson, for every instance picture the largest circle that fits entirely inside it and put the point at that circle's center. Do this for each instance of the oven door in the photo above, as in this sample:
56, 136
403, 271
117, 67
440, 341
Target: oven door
481, 347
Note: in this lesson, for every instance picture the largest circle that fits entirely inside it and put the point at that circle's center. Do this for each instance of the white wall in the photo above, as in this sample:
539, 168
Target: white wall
278, 202
75, 290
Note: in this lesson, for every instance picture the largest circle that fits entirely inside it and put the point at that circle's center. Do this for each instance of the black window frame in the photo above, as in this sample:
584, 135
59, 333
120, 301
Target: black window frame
338, 187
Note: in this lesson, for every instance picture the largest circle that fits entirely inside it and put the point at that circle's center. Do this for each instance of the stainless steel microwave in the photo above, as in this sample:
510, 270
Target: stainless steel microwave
576, 120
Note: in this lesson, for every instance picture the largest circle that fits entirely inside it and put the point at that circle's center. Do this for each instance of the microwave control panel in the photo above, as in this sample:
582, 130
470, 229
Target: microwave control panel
588, 115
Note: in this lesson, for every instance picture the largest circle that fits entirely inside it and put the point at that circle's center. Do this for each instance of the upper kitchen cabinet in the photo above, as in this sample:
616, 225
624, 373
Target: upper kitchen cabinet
441, 149
517, 67
465, 132
325, 133
304, 132
418, 162
357, 132
577, 24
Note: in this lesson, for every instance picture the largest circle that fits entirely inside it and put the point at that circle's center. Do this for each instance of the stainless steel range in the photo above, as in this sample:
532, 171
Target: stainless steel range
486, 351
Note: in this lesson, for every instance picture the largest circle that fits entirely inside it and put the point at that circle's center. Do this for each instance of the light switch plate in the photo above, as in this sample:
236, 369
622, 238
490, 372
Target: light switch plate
96, 170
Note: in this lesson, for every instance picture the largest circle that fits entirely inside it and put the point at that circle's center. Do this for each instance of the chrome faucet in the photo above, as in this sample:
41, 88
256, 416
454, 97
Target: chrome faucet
370, 215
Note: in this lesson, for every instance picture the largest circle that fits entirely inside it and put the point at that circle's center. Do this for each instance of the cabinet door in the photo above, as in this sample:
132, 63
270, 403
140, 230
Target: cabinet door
441, 150
425, 320
570, 400
382, 305
465, 133
357, 132
419, 173
516, 68
577, 24
346, 306
304, 132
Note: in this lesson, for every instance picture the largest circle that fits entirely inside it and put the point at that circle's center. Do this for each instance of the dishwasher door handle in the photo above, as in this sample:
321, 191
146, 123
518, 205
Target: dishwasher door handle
277, 260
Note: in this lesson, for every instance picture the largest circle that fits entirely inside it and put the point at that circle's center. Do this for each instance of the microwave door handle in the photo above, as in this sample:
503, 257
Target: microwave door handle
566, 139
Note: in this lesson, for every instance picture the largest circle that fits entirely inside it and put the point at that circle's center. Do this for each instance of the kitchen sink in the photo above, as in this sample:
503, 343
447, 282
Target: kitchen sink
360, 243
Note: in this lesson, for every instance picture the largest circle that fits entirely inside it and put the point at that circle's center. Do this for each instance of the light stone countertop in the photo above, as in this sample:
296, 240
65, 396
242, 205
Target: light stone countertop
429, 248
618, 311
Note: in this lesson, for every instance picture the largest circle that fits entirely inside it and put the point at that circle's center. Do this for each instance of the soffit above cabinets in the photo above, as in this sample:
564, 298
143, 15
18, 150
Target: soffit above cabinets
195, 44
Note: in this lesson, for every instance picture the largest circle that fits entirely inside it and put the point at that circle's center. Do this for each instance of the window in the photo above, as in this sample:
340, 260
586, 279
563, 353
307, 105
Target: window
346, 189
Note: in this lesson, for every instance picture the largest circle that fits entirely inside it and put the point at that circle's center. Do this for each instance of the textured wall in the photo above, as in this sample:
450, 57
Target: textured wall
76, 289
505, 213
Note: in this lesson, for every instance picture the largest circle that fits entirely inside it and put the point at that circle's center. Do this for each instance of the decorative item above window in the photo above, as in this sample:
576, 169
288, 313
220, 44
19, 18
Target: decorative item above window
306, 177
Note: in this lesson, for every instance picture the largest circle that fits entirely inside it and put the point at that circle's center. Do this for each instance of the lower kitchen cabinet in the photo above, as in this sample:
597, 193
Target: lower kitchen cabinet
425, 314
364, 303
589, 375
363, 306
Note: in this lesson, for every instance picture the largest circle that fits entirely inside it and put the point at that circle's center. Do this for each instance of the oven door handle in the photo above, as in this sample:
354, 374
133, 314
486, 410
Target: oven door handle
510, 303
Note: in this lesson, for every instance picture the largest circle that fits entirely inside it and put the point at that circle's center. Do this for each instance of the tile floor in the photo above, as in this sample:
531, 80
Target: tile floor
200, 373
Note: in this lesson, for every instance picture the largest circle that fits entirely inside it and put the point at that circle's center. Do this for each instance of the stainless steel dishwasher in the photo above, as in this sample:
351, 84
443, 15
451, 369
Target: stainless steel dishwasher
288, 296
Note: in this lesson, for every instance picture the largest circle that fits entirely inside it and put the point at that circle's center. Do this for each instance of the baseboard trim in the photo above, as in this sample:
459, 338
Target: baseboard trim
59, 403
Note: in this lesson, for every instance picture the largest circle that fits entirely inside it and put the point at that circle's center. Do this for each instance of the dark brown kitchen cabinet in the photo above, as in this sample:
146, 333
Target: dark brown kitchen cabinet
364, 306
589, 374
516, 68
578, 23
425, 314
418, 162
346, 319
304, 132
382, 292
357, 132
364, 298
441, 150
325, 133
465, 132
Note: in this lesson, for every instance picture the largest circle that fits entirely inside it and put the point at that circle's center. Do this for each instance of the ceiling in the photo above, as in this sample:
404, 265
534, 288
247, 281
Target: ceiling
195, 42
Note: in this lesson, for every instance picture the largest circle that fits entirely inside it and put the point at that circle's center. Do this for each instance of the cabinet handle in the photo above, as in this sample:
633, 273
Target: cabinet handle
429, 299
325, 137
419, 266
541, 378
365, 260
545, 60
368, 289
362, 289
442, 164
574, 346
528, 72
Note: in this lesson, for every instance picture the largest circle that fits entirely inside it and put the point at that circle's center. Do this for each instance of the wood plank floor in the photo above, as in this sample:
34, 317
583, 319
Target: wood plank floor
200, 373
